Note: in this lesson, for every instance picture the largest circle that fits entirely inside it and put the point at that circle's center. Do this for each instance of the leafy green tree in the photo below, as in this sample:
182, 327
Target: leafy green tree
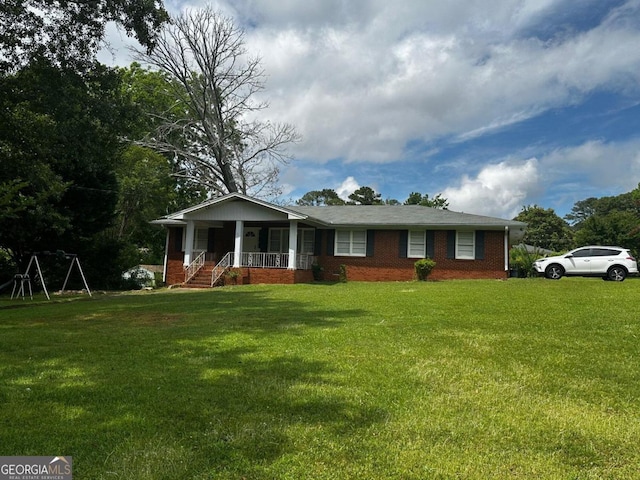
545, 229
612, 220
325, 196
366, 196
69, 33
438, 201
61, 142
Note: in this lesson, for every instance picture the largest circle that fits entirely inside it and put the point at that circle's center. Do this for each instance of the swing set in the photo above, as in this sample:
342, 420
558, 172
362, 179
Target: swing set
23, 281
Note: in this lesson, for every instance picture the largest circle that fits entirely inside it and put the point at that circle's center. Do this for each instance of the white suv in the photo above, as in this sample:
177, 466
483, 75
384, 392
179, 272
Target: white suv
610, 263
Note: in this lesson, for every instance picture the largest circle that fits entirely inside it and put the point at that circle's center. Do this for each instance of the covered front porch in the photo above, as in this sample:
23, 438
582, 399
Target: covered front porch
239, 236
249, 269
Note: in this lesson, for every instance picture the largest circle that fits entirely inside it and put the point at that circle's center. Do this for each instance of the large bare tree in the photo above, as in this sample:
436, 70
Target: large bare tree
216, 139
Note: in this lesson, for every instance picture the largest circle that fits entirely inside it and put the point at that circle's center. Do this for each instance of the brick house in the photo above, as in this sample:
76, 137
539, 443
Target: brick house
266, 243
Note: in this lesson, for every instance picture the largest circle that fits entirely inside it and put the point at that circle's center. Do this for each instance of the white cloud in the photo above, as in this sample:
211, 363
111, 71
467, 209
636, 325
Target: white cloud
613, 166
499, 190
347, 187
361, 89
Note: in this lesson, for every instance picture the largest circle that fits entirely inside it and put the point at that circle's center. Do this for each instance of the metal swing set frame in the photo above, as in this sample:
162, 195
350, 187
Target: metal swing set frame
22, 281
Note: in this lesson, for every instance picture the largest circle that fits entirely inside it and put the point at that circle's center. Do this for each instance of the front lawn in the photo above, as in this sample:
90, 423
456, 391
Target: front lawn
437, 380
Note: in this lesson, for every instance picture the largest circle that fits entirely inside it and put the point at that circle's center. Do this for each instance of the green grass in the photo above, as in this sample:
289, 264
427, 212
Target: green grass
438, 380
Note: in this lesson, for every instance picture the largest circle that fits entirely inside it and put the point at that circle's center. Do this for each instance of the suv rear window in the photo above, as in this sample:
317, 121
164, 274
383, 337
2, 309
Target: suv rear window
604, 252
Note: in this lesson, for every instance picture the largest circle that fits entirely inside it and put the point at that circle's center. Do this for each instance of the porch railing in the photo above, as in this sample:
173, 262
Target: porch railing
221, 267
274, 260
194, 267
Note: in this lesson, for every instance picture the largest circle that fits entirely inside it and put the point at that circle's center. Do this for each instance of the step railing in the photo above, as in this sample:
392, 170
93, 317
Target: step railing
194, 267
221, 267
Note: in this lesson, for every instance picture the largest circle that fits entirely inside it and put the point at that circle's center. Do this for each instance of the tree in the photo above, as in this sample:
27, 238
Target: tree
215, 141
613, 220
69, 33
438, 201
60, 142
326, 196
545, 229
366, 196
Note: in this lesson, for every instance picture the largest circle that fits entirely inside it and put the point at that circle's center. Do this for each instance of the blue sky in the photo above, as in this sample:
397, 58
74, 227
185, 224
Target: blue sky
494, 105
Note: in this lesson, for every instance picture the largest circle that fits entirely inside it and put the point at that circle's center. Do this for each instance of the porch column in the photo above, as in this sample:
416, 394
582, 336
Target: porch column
188, 243
293, 244
165, 261
237, 251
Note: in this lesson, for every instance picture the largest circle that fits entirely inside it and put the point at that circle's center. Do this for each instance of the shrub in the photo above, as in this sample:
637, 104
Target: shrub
342, 276
317, 272
424, 267
521, 260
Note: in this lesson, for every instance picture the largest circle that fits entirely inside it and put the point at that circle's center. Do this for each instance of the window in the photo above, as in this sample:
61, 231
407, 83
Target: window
279, 240
200, 239
306, 240
465, 245
417, 244
351, 243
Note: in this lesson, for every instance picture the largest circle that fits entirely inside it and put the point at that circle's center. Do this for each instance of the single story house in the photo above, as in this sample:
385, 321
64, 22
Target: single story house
267, 243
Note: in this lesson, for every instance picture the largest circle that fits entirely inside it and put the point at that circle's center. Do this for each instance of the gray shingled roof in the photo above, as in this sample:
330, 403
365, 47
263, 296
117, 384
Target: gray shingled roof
398, 215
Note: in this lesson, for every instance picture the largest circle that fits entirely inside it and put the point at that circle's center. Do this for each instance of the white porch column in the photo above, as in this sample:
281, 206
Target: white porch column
237, 252
293, 244
166, 256
188, 243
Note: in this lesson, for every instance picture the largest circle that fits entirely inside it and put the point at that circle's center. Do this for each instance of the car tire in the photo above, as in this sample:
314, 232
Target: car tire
617, 274
554, 272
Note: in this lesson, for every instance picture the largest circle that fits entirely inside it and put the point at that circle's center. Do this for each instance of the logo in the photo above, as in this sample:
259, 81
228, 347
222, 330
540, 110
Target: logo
36, 468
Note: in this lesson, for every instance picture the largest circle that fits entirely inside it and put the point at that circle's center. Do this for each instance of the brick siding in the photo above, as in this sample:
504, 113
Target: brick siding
385, 264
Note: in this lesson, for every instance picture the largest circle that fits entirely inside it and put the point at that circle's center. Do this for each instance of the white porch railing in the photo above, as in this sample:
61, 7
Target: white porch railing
194, 267
221, 267
274, 260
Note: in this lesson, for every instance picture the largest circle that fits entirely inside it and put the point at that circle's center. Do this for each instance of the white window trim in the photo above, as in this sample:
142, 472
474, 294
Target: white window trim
284, 240
351, 253
424, 244
302, 235
459, 255
196, 238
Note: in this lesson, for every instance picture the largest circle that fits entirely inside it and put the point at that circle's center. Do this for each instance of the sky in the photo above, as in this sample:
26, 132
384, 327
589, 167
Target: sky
494, 105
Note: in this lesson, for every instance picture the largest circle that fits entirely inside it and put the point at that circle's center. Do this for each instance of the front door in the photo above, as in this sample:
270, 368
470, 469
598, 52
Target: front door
251, 239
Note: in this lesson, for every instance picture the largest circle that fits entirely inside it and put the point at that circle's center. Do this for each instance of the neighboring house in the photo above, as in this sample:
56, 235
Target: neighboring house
267, 243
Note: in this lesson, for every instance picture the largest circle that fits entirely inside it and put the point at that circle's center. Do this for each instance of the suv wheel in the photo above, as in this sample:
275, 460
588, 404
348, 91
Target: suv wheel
617, 274
554, 272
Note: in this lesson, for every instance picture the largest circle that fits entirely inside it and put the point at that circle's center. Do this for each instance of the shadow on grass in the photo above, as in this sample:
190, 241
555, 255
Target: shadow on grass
179, 385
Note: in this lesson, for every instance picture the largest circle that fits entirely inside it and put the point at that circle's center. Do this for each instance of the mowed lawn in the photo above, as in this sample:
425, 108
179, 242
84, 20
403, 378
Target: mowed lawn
438, 380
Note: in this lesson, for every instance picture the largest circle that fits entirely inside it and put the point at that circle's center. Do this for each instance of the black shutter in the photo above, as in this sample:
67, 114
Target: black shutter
371, 235
331, 240
451, 244
317, 243
479, 244
403, 244
263, 240
431, 248
178, 232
